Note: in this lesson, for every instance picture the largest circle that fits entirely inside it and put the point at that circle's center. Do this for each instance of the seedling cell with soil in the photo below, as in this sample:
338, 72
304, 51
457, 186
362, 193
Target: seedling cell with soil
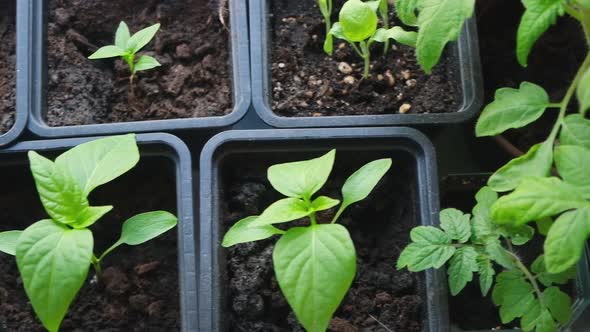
203, 80
245, 294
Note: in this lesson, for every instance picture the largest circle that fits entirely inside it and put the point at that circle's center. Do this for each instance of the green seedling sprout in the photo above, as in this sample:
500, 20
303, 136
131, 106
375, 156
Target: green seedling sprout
319, 258
127, 46
326, 9
358, 26
53, 255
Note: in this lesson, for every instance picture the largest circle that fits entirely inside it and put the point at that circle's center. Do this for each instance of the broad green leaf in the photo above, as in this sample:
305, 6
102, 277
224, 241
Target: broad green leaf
146, 62
323, 203
242, 232
559, 304
100, 161
575, 131
122, 36
486, 274
498, 254
406, 11
566, 240
109, 51
537, 319
142, 38
90, 215
301, 178
360, 184
8, 241
60, 194
336, 31
536, 162
485, 197
536, 198
572, 164
53, 261
548, 279
513, 294
146, 226
358, 20
398, 34
512, 108
461, 268
315, 267
456, 224
439, 21
583, 92
544, 225
283, 210
538, 17
374, 4
432, 248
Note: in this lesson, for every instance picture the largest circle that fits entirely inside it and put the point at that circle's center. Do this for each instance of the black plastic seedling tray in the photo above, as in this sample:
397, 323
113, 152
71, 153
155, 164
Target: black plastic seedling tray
151, 145
272, 143
34, 34
464, 54
23, 48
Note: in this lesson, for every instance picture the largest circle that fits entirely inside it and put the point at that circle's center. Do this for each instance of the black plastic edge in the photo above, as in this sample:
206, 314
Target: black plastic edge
422, 149
23, 47
178, 152
468, 61
239, 46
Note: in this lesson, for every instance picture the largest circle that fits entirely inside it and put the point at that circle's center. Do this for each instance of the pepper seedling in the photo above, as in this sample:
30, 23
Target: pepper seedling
475, 244
358, 25
326, 10
127, 46
319, 258
54, 255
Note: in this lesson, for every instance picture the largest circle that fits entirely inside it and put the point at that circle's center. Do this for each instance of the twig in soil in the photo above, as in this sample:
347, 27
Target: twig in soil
382, 325
508, 146
222, 12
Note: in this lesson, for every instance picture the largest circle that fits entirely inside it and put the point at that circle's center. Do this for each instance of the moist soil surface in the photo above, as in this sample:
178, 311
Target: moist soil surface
379, 227
307, 82
139, 289
553, 61
192, 46
7, 65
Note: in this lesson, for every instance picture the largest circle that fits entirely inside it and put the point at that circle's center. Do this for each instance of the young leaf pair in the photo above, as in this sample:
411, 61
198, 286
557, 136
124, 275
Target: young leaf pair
319, 258
127, 45
358, 25
474, 244
54, 255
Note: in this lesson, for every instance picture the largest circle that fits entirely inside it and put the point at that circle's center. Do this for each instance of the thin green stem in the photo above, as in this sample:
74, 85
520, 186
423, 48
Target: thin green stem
384, 8
573, 12
367, 58
358, 51
568, 96
96, 264
313, 219
554, 105
528, 275
337, 215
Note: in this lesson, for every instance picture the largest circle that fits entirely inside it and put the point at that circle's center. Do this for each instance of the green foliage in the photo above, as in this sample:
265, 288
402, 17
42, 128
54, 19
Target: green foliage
319, 258
127, 45
438, 22
538, 17
357, 25
473, 244
54, 255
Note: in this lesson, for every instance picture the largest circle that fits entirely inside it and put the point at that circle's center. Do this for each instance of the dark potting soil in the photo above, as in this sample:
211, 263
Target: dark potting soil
192, 46
553, 61
140, 289
379, 227
307, 82
7, 65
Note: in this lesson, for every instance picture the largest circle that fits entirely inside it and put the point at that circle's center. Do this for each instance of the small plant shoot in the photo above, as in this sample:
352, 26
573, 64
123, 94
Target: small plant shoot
326, 10
321, 257
475, 244
358, 26
53, 255
127, 45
